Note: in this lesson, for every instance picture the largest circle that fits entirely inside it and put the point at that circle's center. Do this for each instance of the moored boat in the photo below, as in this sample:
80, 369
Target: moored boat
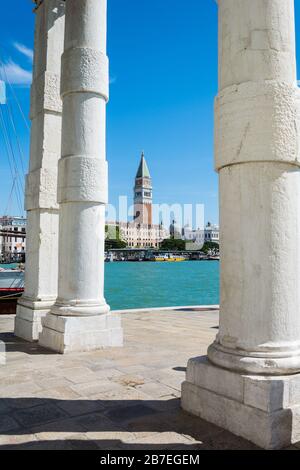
168, 257
11, 287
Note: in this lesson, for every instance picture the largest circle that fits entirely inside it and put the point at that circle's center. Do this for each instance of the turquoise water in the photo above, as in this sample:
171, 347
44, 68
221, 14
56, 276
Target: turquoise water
145, 284
9, 266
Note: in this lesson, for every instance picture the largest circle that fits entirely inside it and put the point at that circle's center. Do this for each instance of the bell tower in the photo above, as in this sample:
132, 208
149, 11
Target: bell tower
143, 194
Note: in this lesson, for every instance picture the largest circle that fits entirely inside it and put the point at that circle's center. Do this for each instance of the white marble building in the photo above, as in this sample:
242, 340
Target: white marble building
211, 233
12, 236
142, 235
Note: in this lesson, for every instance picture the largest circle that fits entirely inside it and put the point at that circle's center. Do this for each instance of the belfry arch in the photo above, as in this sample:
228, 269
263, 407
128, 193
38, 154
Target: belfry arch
249, 383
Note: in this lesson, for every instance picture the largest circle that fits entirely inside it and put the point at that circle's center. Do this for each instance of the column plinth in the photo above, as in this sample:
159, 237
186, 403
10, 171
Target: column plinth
80, 318
257, 158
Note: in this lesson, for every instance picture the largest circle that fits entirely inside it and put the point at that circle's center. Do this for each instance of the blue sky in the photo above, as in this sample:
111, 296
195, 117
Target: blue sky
163, 68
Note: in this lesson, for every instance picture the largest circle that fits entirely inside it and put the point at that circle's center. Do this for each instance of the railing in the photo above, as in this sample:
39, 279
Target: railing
12, 233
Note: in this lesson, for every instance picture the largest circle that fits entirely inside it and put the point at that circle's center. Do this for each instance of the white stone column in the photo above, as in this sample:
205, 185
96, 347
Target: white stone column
257, 156
80, 319
41, 183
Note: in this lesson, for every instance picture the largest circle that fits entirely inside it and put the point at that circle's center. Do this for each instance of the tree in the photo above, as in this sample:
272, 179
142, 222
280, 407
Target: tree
210, 246
114, 245
173, 244
113, 240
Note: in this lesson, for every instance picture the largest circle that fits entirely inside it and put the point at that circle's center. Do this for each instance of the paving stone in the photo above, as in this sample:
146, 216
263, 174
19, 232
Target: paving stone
18, 390
129, 380
38, 414
157, 389
51, 383
64, 426
96, 387
13, 440
99, 423
93, 400
58, 393
28, 402
80, 407
167, 404
4, 407
297, 445
120, 394
164, 438
226, 441
7, 423
66, 444
78, 375
125, 414
107, 374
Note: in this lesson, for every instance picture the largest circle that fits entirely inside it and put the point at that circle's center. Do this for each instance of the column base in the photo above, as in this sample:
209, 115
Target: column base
275, 361
65, 334
262, 409
28, 320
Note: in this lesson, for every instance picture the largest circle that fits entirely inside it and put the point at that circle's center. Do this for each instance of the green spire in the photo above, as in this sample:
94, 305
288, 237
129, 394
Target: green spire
143, 171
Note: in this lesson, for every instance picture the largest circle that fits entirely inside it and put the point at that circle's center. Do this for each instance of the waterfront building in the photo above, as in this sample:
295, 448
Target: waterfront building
143, 235
12, 237
196, 236
211, 233
1, 242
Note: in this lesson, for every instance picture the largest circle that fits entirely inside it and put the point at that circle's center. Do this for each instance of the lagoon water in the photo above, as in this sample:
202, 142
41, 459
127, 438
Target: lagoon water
146, 284
161, 284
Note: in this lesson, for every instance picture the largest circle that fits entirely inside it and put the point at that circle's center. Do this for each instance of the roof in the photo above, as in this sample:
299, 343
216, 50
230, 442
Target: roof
143, 170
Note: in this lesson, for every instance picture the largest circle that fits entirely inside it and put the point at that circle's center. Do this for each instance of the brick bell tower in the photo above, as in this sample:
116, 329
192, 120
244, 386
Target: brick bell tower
143, 194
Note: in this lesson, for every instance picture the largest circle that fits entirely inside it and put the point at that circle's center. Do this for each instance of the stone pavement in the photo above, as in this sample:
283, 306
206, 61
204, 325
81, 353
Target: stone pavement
125, 398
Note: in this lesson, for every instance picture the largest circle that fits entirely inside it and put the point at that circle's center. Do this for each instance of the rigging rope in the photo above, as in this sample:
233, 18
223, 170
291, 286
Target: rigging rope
11, 161
8, 123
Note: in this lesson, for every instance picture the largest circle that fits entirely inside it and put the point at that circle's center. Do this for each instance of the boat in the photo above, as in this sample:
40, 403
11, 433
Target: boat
12, 277
11, 288
169, 258
109, 257
11, 283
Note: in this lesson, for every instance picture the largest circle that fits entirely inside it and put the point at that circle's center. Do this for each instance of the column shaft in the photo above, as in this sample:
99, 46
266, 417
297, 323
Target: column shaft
41, 183
82, 187
257, 157
250, 383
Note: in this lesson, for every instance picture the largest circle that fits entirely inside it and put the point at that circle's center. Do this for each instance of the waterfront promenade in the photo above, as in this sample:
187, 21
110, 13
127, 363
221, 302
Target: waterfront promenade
121, 398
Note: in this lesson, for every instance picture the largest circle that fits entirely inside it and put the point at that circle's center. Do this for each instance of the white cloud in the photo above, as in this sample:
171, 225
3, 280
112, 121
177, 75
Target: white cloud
24, 50
15, 74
